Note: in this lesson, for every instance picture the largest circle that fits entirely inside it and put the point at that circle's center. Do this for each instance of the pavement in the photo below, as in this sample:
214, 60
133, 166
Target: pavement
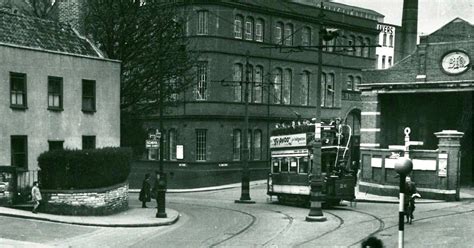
145, 217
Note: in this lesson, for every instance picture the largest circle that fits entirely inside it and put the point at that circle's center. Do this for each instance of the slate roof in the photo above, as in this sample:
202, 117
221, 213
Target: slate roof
43, 34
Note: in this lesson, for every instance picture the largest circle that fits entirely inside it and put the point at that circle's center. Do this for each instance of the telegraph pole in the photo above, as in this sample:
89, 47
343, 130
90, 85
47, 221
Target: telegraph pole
316, 212
161, 194
245, 193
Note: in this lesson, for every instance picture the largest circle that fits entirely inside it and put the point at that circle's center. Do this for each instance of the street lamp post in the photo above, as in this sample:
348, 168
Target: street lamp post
162, 183
245, 193
403, 167
316, 212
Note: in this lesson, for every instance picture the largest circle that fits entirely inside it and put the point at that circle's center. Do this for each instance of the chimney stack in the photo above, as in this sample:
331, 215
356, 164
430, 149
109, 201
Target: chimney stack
406, 43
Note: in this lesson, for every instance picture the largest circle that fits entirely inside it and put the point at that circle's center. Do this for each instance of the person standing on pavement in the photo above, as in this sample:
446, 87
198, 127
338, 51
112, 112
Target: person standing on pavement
145, 194
36, 196
409, 200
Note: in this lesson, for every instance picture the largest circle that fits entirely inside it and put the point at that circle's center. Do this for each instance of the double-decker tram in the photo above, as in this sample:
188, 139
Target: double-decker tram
291, 150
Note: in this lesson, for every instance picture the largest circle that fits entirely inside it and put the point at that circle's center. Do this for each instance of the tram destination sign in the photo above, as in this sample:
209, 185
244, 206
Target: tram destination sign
289, 140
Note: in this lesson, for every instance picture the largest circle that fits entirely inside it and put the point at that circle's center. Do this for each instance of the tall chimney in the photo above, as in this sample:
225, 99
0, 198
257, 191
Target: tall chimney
406, 43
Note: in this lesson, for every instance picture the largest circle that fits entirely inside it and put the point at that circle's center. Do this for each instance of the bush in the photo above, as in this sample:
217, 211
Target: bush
84, 169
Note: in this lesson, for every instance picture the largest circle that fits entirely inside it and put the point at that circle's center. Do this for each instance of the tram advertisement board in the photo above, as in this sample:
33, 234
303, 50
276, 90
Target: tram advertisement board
289, 140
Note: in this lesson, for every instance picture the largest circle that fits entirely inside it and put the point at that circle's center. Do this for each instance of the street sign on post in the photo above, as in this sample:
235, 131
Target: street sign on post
152, 144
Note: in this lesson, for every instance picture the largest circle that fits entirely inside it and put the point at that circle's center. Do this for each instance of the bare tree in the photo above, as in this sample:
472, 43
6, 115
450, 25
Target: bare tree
149, 40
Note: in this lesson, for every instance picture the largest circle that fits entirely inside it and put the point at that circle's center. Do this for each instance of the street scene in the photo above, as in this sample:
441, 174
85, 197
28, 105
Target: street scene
236, 123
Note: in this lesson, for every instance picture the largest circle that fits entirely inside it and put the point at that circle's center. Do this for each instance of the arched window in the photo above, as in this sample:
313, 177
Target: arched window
366, 52
350, 83
306, 36
237, 142
389, 61
288, 38
249, 77
323, 88
383, 61
249, 28
286, 87
277, 86
238, 26
259, 30
390, 40
237, 77
257, 86
278, 33
359, 47
357, 82
384, 40
257, 144
351, 42
305, 88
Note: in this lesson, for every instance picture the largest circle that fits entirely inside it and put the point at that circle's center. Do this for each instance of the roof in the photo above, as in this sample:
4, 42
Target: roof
456, 30
36, 33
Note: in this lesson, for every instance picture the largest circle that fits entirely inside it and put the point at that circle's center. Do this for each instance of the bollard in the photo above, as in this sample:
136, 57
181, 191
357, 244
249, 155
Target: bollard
161, 197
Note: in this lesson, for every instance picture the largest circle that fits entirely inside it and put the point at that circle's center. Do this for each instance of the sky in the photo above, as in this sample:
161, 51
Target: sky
432, 14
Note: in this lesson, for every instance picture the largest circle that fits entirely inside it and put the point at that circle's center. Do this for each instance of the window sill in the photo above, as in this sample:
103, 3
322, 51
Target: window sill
55, 109
87, 111
18, 107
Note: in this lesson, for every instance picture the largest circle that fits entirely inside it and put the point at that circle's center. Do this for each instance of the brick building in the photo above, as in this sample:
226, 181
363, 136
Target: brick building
385, 54
429, 91
57, 91
204, 133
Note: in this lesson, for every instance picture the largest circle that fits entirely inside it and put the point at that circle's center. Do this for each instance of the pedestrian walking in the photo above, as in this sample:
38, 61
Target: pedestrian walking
145, 194
409, 201
36, 196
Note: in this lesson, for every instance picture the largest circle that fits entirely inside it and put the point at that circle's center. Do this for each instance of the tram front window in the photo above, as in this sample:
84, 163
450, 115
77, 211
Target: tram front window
293, 165
275, 166
304, 165
284, 165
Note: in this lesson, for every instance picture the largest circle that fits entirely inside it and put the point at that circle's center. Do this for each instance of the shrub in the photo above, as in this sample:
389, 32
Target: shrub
84, 169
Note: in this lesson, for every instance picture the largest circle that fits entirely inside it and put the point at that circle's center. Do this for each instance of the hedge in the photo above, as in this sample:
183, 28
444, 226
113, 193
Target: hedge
84, 169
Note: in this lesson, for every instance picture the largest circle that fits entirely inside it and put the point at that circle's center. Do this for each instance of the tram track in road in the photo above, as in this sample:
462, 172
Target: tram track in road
232, 235
339, 226
285, 229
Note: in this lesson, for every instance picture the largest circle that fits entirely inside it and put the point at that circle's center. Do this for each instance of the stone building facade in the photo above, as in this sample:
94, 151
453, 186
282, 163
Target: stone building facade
58, 91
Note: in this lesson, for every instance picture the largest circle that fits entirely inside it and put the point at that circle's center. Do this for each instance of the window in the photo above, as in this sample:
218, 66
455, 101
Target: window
323, 88
389, 61
257, 145
350, 83
275, 166
303, 165
201, 87
88, 142
384, 40
55, 93
249, 77
277, 86
278, 33
305, 88
358, 48
88, 95
249, 29
366, 51
330, 45
172, 144
376, 61
284, 164
55, 145
237, 77
19, 151
259, 30
201, 135
238, 27
237, 142
383, 62
17, 90
249, 144
288, 39
357, 82
257, 86
306, 36
202, 22
152, 154
286, 87
330, 90
390, 40
293, 164
351, 42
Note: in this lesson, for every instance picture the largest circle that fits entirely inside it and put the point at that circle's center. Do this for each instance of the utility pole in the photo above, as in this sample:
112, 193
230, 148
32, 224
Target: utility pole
162, 183
316, 212
245, 193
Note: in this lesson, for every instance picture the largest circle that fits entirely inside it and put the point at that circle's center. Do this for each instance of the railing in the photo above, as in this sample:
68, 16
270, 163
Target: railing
25, 179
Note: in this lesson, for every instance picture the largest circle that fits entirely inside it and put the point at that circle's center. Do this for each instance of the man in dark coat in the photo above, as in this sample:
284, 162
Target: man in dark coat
409, 201
145, 195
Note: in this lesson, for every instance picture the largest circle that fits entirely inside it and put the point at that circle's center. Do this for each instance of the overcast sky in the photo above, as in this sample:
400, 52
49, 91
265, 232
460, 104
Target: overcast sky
432, 14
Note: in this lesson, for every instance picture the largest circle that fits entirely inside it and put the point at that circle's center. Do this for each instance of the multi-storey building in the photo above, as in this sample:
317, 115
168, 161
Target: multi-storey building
204, 133
57, 91
386, 51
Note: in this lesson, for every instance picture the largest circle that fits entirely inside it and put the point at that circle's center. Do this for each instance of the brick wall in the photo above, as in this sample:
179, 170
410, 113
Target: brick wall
72, 12
101, 201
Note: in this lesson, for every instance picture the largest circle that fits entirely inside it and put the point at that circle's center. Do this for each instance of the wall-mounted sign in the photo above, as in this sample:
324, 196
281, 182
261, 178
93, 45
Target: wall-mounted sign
385, 29
179, 152
290, 140
455, 62
442, 164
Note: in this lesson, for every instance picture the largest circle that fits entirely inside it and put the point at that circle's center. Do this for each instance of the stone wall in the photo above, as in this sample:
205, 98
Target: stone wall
101, 201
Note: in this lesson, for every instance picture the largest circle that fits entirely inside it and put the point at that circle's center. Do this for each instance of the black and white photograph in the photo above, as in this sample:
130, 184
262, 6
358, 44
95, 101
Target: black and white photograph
236, 123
